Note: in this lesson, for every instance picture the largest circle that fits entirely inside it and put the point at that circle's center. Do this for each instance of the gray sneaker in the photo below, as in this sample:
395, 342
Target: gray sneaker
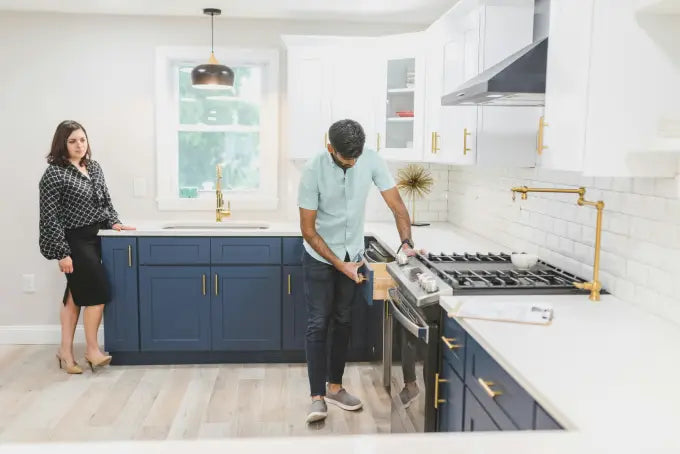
408, 395
344, 400
317, 411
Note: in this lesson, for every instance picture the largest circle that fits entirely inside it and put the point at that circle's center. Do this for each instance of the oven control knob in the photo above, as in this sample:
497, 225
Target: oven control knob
428, 283
402, 258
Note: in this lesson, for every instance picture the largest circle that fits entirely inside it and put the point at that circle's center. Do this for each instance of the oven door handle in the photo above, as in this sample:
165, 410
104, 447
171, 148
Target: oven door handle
419, 332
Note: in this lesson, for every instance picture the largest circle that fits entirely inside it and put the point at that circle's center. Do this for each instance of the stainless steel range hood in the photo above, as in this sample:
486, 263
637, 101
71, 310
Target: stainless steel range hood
519, 80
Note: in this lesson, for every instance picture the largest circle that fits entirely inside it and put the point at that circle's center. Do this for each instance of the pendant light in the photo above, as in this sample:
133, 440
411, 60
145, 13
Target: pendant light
212, 76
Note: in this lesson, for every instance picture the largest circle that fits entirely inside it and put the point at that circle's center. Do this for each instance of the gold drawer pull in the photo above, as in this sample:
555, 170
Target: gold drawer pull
217, 292
203, 285
129, 256
289, 284
539, 146
437, 381
447, 341
486, 386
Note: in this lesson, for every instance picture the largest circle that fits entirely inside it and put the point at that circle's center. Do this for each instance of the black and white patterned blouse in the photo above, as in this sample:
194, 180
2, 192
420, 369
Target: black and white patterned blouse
69, 199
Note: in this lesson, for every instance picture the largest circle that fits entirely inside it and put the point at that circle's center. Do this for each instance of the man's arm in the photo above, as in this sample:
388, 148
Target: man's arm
309, 233
401, 217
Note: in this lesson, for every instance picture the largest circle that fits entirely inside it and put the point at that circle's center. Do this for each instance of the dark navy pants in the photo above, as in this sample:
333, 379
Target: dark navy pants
328, 295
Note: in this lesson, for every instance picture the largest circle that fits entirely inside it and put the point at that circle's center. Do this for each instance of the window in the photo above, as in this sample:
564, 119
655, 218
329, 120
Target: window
235, 128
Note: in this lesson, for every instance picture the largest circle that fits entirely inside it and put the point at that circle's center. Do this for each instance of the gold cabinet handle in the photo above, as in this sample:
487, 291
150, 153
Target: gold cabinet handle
378, 143
203, 285
435, 142
217, 290
129, 256
289, 284
486, 386
539, 143
465, 136
447, 341
437, 381
325, 139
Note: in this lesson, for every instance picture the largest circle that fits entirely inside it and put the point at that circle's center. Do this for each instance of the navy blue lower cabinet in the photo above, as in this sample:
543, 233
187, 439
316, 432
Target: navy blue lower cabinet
294, 310
543, 421
174, 308
476, 418
451, 400
246, 308
121, 320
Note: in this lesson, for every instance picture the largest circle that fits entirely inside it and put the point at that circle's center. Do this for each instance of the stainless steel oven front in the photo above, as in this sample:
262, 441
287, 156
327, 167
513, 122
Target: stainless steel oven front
410, 363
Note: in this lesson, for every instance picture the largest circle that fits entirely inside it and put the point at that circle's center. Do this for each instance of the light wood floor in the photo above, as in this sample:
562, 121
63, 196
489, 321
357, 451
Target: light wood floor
40, 402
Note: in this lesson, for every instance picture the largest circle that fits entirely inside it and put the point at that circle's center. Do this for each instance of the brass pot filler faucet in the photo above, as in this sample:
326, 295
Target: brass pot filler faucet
595, 285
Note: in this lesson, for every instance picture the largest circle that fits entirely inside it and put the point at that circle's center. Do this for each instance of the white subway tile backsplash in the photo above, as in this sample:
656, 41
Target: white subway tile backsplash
640, 254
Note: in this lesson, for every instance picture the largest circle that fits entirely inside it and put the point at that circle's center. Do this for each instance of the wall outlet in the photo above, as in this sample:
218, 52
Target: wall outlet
28, 283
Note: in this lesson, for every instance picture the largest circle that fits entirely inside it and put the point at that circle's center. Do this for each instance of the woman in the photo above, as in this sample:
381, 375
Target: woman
74, 205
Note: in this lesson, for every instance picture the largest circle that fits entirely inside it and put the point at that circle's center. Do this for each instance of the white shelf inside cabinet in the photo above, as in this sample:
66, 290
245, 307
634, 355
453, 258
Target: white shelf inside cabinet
400, 119
401, 90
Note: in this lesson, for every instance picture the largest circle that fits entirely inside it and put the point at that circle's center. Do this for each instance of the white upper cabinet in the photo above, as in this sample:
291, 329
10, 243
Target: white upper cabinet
613, 92
329, 79
470, 38
400, 108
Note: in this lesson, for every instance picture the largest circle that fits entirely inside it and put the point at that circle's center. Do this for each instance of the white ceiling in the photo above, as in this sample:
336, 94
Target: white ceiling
384, 11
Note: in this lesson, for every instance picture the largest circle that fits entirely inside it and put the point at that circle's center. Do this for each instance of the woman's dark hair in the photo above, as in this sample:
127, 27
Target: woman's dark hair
347, 138
59, 151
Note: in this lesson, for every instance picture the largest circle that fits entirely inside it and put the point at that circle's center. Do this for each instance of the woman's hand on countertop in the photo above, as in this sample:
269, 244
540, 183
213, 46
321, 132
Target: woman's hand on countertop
120, 227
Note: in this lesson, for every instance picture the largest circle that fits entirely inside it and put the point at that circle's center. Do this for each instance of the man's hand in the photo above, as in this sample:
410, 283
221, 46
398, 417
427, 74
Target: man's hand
350, 269
66, 265
410, 252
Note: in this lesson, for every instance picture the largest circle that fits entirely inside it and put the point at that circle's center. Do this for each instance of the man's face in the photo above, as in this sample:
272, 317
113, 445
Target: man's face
341, 162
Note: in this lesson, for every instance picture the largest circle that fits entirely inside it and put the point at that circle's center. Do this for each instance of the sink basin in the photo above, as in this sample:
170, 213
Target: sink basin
226, 225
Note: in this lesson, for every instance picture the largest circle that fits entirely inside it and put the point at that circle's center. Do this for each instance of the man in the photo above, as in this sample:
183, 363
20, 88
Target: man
332, 200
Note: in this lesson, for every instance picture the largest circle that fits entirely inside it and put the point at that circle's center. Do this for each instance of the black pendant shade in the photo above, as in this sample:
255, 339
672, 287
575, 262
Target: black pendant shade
212, 75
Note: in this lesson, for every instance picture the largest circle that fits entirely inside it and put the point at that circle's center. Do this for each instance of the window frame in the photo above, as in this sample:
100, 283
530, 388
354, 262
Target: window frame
167, 127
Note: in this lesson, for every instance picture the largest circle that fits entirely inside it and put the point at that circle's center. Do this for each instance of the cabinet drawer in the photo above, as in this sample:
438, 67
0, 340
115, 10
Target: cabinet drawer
245, 251
453, 342
174, 251
476, 418
502, 397
543, 421
292, 250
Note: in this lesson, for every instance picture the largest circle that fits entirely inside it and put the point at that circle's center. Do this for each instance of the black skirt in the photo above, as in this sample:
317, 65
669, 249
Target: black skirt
88, 282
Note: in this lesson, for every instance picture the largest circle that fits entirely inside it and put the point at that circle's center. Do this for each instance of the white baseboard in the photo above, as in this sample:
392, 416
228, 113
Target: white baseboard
41, 334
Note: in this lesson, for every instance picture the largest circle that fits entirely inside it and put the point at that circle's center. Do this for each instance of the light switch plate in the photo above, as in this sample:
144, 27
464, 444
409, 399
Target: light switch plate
28, 283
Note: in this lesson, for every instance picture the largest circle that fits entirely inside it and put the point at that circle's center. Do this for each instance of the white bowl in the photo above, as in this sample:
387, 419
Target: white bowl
523, 261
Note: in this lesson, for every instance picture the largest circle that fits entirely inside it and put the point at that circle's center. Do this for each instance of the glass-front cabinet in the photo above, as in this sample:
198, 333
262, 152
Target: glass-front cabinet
401, 101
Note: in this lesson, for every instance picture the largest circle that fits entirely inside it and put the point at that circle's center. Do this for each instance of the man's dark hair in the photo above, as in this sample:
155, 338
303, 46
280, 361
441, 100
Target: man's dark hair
347, 138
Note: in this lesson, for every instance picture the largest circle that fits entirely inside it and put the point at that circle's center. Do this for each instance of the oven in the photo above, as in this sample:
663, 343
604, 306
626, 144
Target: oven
412, 356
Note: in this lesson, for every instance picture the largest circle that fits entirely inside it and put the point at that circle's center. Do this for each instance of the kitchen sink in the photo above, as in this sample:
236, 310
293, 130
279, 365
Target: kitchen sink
226, 225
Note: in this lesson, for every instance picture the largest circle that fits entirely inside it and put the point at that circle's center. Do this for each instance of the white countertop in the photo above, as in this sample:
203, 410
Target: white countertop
607, 371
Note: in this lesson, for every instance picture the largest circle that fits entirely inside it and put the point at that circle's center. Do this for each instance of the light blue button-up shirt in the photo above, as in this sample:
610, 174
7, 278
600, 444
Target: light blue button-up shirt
339, 199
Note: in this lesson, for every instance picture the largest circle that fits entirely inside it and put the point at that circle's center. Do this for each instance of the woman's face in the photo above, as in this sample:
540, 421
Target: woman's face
76, 144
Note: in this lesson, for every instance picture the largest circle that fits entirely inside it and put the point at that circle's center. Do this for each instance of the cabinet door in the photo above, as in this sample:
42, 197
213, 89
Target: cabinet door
246, 308
400, 108
174, 307
543, 421
309, 73
121, 322
566, 91
458, 124
452, 392
355, 87
294, 310
476, 418
435, 37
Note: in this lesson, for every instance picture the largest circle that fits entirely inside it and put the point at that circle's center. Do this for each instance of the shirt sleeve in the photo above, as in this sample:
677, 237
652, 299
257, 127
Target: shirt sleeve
382, 177
111, 213
308, 191
52, 239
